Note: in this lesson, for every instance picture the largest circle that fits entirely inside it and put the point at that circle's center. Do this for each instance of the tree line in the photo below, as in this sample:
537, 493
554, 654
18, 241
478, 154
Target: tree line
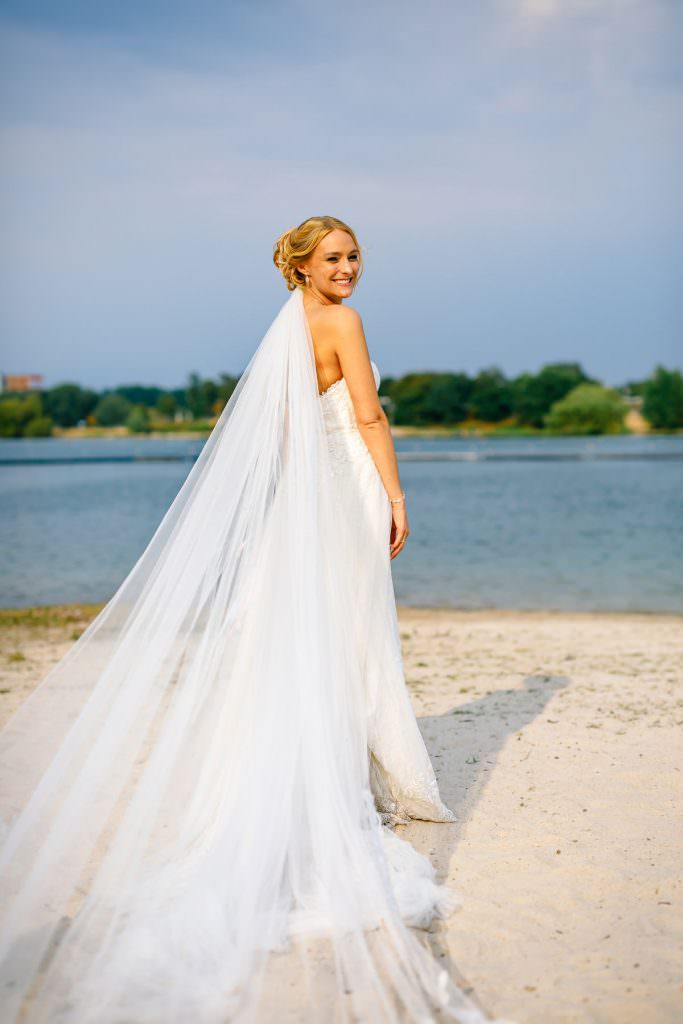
560, 398
138, 407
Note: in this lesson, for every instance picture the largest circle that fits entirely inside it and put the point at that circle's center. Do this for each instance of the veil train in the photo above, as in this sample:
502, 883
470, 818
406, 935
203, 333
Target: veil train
188, 831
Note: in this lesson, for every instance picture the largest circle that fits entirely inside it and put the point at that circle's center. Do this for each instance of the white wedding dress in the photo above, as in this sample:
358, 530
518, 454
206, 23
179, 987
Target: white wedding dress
401, 773
197, 802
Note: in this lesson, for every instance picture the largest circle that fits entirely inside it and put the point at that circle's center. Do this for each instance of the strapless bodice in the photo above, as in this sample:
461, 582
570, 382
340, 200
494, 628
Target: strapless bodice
344, 441
337, 405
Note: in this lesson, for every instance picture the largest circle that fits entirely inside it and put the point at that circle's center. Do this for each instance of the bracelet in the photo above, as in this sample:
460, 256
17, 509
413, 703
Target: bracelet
398, 501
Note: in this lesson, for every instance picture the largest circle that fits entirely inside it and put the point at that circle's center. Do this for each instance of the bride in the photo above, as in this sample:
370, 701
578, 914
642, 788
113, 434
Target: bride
198, 802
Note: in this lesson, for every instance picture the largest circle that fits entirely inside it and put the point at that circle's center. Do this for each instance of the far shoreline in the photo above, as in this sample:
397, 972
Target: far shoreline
40, 615
469, 430
483, 432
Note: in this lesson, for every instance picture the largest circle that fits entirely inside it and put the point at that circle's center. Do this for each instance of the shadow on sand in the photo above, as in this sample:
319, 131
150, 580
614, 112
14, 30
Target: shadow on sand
464, 744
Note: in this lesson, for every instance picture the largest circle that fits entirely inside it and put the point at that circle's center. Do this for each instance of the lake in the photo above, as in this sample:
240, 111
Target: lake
537, 523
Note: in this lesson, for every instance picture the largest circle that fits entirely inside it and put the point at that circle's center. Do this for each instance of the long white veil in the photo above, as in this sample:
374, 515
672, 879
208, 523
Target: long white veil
188, 829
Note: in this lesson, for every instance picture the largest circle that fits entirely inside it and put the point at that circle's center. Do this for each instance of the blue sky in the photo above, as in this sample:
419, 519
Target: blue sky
509, 166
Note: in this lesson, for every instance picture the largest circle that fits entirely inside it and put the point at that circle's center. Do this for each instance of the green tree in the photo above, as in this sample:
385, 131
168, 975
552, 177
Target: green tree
534, 394
226, 386
491, 397
420, 399
39, 426
409, 394
67, 404
587, 409
181, 400
200, 396
13, 419
112, 410
138, 420
385, 386
447, 397
23, 416
139, 394
167, 405
663, 401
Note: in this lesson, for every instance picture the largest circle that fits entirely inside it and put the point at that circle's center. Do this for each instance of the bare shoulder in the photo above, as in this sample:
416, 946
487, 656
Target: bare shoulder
340, 321
337, 313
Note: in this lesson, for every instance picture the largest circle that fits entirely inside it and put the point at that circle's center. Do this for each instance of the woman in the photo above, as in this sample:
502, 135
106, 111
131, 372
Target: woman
190, 799
322, 257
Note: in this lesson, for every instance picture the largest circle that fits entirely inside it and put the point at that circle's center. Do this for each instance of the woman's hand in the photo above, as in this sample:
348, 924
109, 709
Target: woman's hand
399, 529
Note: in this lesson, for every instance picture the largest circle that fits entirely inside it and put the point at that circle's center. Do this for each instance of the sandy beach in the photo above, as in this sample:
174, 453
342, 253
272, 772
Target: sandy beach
557, 741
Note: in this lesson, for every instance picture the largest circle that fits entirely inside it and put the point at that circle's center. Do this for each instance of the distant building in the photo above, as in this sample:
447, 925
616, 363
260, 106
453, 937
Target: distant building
21, 382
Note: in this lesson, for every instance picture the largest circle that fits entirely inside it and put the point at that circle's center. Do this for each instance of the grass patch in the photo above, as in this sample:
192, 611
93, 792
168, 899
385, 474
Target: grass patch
38, 617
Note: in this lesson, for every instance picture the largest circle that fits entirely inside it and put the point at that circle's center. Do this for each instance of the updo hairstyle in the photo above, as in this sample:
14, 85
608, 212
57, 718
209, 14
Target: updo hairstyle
293, 247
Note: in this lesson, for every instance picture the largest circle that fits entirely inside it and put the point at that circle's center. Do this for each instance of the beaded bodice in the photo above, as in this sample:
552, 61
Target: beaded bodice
344, 439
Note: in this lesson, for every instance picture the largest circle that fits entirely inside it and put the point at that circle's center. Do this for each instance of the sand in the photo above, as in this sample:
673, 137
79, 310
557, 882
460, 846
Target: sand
557, 740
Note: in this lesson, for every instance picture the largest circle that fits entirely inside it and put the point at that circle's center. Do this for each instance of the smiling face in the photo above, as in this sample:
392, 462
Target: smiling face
333, 266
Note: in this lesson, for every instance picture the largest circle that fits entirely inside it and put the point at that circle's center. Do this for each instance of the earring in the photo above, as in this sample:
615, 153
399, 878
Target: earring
308, 280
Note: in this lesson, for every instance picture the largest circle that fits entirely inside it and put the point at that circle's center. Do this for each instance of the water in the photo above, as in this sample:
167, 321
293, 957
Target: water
549, 523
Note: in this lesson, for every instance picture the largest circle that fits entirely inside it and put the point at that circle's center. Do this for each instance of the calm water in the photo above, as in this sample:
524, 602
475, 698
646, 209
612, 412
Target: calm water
525, 523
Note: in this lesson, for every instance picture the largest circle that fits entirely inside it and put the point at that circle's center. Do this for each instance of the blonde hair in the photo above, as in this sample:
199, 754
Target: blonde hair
293, 247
